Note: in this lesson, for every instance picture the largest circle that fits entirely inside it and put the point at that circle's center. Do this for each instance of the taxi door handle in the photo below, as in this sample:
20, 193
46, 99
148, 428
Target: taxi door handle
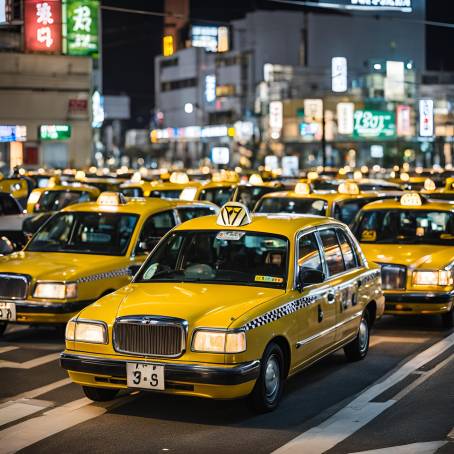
320, 314
330, 297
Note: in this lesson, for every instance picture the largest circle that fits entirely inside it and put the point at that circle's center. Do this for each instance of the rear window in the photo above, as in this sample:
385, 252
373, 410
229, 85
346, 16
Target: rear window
292, 205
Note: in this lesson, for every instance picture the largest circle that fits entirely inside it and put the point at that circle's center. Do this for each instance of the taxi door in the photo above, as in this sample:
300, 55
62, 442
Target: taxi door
318, 316
344, 273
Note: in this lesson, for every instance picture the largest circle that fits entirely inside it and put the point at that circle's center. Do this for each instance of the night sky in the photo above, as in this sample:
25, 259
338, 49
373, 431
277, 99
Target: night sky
131, 41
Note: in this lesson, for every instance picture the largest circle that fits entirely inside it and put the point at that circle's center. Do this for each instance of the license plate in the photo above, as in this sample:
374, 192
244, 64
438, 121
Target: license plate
7, 311
145, 376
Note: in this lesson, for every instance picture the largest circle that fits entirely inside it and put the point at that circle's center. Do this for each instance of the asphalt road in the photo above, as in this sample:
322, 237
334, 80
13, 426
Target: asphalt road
401, 397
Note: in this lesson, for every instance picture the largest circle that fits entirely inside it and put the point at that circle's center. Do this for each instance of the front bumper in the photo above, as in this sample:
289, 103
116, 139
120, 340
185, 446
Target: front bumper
181, 373
418, 303
45, 312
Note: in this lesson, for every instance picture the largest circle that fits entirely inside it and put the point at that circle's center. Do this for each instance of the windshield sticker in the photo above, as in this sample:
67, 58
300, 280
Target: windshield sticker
230, 235
368, 235
270, 279
446, 236
150, 271
419, 231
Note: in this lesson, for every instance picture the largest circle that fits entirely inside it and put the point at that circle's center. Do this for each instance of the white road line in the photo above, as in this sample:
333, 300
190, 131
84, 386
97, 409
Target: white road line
414, 448
33, 393
51, 422
7, 349
360, 410
12, 411
31, 363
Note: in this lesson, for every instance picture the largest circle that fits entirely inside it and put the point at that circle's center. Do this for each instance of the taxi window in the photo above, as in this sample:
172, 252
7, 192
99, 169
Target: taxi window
189, 213
56, 200
249, 196
158, 225
8, 205
224, 257
219, 196
166, 194
291, 205
402, 226
132, 192
332, 251
348, 252
345, 211
85, 233
309, 253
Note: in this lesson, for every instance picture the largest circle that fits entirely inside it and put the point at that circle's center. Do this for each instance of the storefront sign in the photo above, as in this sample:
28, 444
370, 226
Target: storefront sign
395, 81
167, 46
313, 109
220, 155
81, 32
290, 166
210, 88
276, 115
403, 120
339, 74
54, 132
403, 6
374, 124
212, 38
426, 118
14, 133
2, 11
42, 24
345, 117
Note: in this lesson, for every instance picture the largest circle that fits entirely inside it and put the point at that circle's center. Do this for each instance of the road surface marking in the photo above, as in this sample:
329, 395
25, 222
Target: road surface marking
375, 340
12, 411
450, 435
414, 448
31, 363
52, 422
7, 349
360, 410
33, 393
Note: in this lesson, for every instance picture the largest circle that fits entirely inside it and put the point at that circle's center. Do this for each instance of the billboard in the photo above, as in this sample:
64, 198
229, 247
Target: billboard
13, 133
80, 28
212, 38
54, 132
42, 26
339, 81
426, 118
403, 6
2, 11
374, 124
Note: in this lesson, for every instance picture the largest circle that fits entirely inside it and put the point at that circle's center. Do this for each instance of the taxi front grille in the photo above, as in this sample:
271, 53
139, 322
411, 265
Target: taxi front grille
393, 277
13, 286
150, 336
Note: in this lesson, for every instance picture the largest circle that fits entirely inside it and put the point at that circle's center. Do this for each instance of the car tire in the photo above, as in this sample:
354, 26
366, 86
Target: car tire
267, 391
100, 394
3, 326
448, 319
357, 349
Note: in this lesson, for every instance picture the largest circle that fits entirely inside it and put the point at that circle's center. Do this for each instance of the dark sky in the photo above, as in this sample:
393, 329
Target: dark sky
131, 41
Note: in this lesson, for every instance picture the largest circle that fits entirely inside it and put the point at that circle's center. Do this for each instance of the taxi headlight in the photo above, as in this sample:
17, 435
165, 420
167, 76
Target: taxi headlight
219, 341
441, 278
55, 290
91, 331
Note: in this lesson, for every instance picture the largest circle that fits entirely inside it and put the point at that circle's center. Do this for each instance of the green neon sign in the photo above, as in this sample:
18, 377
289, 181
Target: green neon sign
374, 124
54, 132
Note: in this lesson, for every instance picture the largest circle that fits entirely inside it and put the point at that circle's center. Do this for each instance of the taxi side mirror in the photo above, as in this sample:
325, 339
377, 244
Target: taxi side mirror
308, 276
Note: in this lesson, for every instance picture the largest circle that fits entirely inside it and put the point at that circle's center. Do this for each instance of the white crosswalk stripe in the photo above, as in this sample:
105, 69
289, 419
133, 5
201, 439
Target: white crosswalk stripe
13, 411
31, 363
414, 448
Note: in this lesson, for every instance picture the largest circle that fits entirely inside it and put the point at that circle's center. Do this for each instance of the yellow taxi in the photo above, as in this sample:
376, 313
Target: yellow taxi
56, 196
171, 189
342, 205
413, 242
228, 306
83, 252
18, 187
445, 193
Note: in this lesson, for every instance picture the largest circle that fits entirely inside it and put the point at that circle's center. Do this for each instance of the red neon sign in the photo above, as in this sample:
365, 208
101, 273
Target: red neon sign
43, 26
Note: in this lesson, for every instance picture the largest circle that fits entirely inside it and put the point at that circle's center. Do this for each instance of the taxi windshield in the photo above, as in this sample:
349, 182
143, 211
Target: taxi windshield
250, 195
406, 227
85, 233
166, 193
219, 256
292, 205
56, 200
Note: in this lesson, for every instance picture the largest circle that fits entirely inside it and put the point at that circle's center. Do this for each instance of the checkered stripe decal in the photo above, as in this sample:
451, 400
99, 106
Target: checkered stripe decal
280, 312
106, 275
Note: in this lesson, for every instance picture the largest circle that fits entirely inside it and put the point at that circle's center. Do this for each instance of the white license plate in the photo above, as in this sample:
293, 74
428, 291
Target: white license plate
7, 311
145, 376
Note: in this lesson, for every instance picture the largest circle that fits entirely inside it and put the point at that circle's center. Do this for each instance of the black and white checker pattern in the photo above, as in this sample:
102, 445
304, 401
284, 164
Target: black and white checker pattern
280, 312
106, 275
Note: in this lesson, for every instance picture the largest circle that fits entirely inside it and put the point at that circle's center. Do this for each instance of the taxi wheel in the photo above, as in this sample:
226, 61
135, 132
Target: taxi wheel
358, 348
448, 319
100, 394
3, 326
267, 392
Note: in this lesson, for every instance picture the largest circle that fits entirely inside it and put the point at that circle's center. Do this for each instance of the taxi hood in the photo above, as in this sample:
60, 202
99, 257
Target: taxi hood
424, 256
212, 305
56, 266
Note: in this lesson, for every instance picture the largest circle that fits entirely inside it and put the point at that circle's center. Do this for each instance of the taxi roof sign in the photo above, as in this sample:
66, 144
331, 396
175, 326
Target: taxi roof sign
255, 179
188, 194
411, 199
179, 178
349, 188
429, 185
234, 214
303, 188
111, 199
